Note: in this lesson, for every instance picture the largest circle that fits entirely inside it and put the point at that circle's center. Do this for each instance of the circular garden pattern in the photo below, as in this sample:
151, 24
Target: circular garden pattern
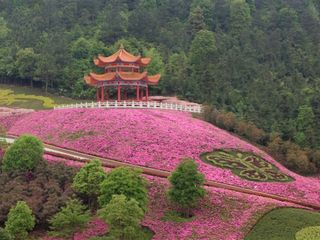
246, 165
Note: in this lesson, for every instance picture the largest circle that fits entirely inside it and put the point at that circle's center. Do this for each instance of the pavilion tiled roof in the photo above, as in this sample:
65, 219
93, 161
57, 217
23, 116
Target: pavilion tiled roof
92, 79
121, 56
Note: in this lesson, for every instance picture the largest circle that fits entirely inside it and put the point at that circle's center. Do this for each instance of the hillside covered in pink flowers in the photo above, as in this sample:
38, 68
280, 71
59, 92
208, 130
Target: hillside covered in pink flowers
153, 138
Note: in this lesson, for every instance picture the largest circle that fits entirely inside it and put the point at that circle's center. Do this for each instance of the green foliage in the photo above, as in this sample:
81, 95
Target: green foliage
255, 59
4, 235
302, 160
4, 30
126, 181
240, 17
186, 185
309, 233
305, 124
72, 218
87, 181
196, 21
203, 48
20, 221
283, 223
23, 155
26, 63
156, 66
123, 217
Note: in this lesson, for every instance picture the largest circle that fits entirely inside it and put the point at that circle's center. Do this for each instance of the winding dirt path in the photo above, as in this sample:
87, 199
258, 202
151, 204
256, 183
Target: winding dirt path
112, 163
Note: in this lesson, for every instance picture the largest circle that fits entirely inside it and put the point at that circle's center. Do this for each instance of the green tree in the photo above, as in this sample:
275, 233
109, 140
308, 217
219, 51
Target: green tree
23, 155
240, 16
196, 21
126, 181
20, 221
202, 49
305, 124
186, 186
202, 58
87, 181
114, 21
176, 74
72, 218
26, 64
4, 30
123, 217
46, 66
156, 66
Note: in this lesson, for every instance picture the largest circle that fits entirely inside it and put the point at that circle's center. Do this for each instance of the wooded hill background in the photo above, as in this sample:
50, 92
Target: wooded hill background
257, 58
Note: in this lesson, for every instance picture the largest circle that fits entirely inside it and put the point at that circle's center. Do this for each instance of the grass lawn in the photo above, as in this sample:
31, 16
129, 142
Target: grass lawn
31, 98
283, 223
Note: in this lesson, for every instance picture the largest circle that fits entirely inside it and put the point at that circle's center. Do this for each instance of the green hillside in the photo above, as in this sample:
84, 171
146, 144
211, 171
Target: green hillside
257, 58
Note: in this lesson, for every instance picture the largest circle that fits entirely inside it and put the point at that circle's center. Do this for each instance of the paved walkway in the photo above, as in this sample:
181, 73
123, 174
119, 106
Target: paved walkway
111, 163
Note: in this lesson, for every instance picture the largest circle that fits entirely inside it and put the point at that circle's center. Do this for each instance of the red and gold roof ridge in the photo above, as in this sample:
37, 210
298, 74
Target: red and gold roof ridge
121, 56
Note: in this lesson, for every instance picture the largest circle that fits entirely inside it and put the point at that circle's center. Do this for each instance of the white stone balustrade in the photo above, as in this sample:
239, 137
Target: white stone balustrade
135, 104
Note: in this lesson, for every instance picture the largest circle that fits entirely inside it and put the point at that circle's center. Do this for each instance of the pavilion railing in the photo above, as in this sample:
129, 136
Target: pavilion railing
134, 105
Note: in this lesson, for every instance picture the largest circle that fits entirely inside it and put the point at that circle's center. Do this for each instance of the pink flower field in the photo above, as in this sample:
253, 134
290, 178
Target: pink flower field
153, 138
216, 218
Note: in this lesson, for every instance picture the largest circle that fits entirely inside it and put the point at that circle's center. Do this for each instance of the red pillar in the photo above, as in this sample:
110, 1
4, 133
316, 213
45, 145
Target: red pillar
98, 97
119, 92
102, 94
147, 93
107, 95
138, 90
141, 94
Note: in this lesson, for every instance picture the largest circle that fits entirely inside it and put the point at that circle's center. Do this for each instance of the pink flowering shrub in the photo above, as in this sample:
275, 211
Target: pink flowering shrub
157, 139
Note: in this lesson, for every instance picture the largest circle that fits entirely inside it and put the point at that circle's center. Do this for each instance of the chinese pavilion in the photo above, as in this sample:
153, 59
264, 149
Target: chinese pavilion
122, 71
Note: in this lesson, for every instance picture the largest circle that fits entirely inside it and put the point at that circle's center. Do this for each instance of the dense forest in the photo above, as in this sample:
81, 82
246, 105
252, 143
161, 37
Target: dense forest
259, 59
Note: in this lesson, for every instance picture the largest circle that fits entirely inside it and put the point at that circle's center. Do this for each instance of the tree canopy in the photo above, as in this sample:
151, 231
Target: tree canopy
186, 185
123, 217
126, 181
87, 181
71, 218
253, 58
20, 221
23, 155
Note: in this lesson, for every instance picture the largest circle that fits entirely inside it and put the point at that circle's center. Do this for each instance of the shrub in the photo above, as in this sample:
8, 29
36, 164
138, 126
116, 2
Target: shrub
72, 218
186, 186
126, 181
20, 221
314, 157
4, 235
309, 233
45, 192
226, 121
123, 217
298, 161
23, 155
87, 181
